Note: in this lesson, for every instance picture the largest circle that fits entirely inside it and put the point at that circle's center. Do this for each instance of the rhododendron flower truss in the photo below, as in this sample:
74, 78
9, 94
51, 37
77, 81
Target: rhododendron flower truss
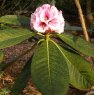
47, 19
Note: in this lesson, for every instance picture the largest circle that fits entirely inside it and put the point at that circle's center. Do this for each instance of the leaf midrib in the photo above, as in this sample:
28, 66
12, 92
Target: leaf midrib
48, 57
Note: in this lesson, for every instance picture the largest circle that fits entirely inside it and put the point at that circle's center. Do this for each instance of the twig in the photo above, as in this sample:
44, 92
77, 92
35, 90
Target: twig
82, 20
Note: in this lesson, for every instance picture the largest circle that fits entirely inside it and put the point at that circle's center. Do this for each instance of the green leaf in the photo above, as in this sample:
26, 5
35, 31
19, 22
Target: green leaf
15, 20
80, 71
13, 36
4, 91
78, 44
22, 79
49, 70
75, 28
1, 56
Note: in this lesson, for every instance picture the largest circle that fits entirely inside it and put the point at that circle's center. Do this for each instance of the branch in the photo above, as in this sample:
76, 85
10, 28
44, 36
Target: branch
82, 20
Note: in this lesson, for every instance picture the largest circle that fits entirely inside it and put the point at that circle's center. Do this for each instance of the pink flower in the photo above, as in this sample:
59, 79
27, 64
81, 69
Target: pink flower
47, 18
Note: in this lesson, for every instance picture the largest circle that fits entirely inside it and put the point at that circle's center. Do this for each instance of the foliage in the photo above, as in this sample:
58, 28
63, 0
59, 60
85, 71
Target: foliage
1, 56
4, 91
78, 44
55, 63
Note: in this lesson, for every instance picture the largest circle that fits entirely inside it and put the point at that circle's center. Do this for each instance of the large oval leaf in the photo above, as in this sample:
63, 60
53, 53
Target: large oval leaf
15, 20
49, 70
12, 36
1, 56
78, 43
80, 71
